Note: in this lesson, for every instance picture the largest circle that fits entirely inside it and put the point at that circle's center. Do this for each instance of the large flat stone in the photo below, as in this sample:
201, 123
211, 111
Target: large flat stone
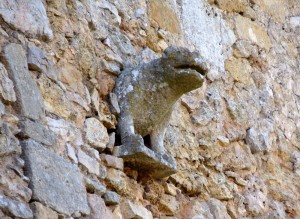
30, 17
144, 159
37, 131
29, 100
54, 181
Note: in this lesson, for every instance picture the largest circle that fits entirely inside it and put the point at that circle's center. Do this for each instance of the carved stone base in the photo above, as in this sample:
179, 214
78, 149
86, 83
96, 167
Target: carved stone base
144, 159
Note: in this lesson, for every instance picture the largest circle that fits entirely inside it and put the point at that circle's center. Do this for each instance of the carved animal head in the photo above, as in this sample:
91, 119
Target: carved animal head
184, 70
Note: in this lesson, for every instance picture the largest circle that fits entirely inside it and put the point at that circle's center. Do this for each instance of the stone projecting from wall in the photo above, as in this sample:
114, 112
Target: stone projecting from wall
146, 95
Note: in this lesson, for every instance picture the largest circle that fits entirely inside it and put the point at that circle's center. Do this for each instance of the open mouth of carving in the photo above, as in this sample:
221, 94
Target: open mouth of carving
196, 68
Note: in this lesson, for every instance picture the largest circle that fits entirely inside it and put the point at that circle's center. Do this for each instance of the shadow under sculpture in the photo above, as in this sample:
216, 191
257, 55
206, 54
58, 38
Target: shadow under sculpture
146, 96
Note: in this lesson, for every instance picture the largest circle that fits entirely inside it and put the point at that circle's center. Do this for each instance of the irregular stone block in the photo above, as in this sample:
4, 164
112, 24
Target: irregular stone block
249, 30
112, 161
170, 189
260, 137
8, 142
88, 162
15, 208
232, 6
240, 70
9, 145
111, 198
196, 20
98, 208
30, 17
37, 132
217, 209
117, 180
96, 134
6, 85
164, 15
29, 99
54, 181
94, 186
168, 204
144, 159
131, 210
42, 212
37, 61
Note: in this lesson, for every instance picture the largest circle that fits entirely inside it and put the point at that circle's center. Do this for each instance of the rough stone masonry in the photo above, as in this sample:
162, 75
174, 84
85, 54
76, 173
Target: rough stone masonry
235, 140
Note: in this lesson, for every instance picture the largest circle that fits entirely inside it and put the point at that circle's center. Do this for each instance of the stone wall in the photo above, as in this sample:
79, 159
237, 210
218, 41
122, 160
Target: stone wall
236, 140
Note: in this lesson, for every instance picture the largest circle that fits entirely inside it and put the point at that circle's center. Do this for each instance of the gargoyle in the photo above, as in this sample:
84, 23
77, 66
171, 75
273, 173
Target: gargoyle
147, 95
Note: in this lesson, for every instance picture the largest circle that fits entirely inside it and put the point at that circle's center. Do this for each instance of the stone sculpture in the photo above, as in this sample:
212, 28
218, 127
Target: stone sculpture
146, 96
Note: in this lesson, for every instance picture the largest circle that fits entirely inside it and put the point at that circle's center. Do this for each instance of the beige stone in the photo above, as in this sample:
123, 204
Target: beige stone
164, 15
54, 98
170, 189
117, 179
240, 70
132, 210
96, 134
71, 77
106, 83
168, 204
112, 161
278, 9
249, 30
232, 6
42, 212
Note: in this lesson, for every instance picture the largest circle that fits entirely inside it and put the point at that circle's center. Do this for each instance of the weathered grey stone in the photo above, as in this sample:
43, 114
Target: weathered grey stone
9, 145
259, 137
6, 85
96, 134
8, 142
71, 153
146, 96
217, 209
29, 99
36, 59
2, 108
144, 159
15, 208
112, 161
94, 186
37, 132
114, 103
131, 210
111, 142
88, 162
111, 198
42, 212
98, 208
54, 181
197, 18
30, 17
256, 202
